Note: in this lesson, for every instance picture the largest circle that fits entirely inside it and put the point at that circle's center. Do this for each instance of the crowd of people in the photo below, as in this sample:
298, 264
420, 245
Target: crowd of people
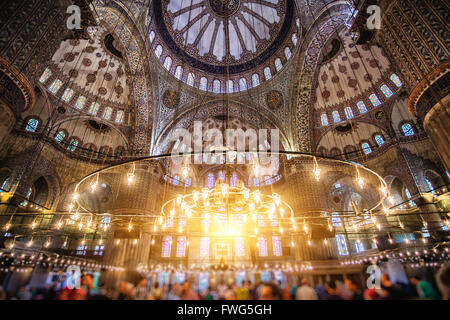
417, 288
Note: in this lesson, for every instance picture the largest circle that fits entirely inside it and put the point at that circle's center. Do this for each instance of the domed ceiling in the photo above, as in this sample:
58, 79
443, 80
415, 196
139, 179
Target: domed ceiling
223, 38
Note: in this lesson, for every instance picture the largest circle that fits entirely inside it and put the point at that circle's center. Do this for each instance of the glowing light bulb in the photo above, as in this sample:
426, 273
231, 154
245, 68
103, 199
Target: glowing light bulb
281, 230
33, 225
325, 242
153, 242
407, 240
80, 225
378, 226
47, 244
361, 182
135, 242
401, 225
305, 227
256, 230
117, 242
187, 244
155, 228
179, 199
94, 186
59, 225
391, 241
425, 224
317, 174
292, 244
224, 189
7, 226
76, 196
130, 178
30, 243
130, 227
100, 242
424, 240
180, 229
330, 227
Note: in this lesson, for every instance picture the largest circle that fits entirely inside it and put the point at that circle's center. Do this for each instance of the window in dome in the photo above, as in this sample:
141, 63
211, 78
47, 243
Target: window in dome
255, 182
349, 113
60, 136
81, 101
56, 85
324, 119
366, 148
233, 180
374, 99
230, 86
396, 80
32, 125
45, 76
276, 242
408, 196
408, 130
73, 145
386, 91
211, 180
67, 96
294, 39
203, 84
166, 246
107, 113
242, 84
379, 139
267, 73
120, 116
221, 176
152, 36
93, 110
216, 86
336, 220
204, 247
287, 53
359, 246
239, 247
262, 247
430, 186
158, 51
190, 79
278, 64
188, 182
336, 116
267, 180
342, 245
3, 187
27, 197
178, 72
181, 247
169, 222
168, 63
362, 107
255, 80
176, 180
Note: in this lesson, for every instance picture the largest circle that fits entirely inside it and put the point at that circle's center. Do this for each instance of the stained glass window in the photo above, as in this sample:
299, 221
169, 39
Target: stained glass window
211, 180
168, 63
68, 94
267, 73
158, 51
190, 79
267, 180
73, 145
176, 180
107, 113
32, 125
178, 72
27, 197
120, 116
3, 187
181, 247
81, 250
374, 99
276, 242
349, 113
408, 196
216, 86
152, 36
430, 186
99, 249
233, 180
203, 84
386, 91
407, 130
221, 175
255, 80
239, 247
361, 107
396, 80
45, 76
242, 84
336, 220
60, 136
166, 246
359, 246
278, 64
287, 53
342, 245
94, 108
255, 182
230, 86
169, 222
366, 148
336, 116
204, 247
294, 39
262, 247
81, 101
324, 119
379, 139
56, 85
188, 182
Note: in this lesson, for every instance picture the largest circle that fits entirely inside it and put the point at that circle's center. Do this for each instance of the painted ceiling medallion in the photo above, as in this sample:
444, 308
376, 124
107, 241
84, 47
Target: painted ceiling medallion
274, 99
171, 98
224, 8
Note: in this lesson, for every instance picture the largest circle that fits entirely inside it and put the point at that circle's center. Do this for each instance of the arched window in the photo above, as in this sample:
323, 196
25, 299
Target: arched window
216, 86
181, 247
366, 148
324, 119
287, 53
349, 113
107, 113
361, 107
93, 110
60, 136
255, 80
203, 84
188, 182
239, 247
408, 196
374, 99
386, 91
430, 185
67, 96
178, 72
120, 116
242, 84
166, 246
190, 79
262, 247
73, 145
158, 51
56, 85
267, 73
3, 186
211, 180
152, 36
294, 39
342, 245
81, 101
233, 180
408, 130
379, 139
27, 197
45, 76
359, 246
267, 180
255, 182
336, 220
278, 64
276, 242
336, 116
32, 125
168, 63
230, 86
176, 180
396, 80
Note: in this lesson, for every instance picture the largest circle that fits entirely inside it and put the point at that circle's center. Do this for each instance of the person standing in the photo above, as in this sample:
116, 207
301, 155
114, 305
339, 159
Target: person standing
305, 291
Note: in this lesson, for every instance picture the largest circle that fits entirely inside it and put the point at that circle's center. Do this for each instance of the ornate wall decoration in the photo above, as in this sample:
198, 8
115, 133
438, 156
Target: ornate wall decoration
274, 99
171, 98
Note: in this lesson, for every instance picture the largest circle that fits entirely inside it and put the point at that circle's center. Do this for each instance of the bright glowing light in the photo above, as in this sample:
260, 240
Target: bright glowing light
33, 225
309, 242
256, 170
257, 196
47, 244
76, 196
195, 196
117, 242
224, 189
317, 174
256, 230
30, 243
7, 226
94, 186
179, 199
59, 225
325, 242
130, 227
361, 182
185, 172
